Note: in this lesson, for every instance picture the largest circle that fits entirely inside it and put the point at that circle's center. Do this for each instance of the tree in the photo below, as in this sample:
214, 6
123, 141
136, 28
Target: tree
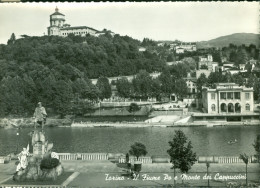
217, 57
253, 82
138, 149
123, 87
167, 82
238, 79
62, 98
181, 154
241, 57
12, 39
181, 89
104, 88
257, 148
244, 157
202, 80
133, 108
142, 84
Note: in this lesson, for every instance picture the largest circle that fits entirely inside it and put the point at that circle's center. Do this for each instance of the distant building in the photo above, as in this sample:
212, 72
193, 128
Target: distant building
99, 33
191, 98
161, 44
179, 50
206, 58
142, 49
242, 66
184, 46
228, 98
59, 28
202, 71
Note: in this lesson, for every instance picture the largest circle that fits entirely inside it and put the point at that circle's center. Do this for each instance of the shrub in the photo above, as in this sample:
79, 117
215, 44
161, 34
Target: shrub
49, 163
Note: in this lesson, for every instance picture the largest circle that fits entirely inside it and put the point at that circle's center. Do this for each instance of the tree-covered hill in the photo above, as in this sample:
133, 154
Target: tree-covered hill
94, 56
56, 70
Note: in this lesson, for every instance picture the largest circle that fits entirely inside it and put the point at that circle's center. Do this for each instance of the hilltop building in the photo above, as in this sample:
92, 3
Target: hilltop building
58, 27
184, 46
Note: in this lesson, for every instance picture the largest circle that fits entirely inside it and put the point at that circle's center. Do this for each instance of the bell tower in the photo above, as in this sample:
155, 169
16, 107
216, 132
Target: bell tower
57, 21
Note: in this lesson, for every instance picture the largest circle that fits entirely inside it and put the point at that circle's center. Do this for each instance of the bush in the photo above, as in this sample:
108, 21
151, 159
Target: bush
49, 163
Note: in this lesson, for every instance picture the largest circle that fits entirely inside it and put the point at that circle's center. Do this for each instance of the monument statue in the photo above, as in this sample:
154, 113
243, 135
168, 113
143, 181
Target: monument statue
42, 164
23, 162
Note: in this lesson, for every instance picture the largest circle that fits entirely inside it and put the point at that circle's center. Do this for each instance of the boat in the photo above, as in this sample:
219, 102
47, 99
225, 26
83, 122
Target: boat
232, 141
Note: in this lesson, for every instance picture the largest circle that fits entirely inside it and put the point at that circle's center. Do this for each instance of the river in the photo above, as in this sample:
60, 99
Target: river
205, 141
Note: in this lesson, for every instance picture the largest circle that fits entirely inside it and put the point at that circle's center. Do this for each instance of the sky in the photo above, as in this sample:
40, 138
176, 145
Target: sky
185, 21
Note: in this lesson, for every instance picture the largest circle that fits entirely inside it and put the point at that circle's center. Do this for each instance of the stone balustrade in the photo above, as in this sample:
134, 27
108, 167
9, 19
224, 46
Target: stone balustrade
67, 156
144, 160
234, 159
149, 160
94, 156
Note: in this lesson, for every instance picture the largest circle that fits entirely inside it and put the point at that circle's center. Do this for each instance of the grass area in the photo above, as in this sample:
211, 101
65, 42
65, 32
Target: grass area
112, 119
59, 181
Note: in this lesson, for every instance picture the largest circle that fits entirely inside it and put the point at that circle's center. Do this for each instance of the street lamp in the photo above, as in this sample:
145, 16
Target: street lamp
208, 165
17, 139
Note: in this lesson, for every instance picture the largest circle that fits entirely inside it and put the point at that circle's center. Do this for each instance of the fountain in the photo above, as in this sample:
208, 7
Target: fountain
42, 164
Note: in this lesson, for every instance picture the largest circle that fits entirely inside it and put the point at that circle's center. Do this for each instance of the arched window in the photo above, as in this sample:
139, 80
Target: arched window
247, 107
213, 107
237, 107
223, 107
230, 107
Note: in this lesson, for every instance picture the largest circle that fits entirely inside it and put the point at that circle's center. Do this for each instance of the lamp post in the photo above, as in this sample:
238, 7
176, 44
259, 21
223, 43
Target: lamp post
17, 139
208, 165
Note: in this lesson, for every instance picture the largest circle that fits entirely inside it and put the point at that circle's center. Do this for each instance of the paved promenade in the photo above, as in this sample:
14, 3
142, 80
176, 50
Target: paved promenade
101, 173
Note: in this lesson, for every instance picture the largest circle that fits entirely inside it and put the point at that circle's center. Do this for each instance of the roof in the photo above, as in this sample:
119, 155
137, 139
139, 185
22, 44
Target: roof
57, 13
193, 79
78, 27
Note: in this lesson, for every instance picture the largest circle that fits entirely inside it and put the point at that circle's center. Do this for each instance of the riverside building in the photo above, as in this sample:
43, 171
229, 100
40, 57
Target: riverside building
227, 102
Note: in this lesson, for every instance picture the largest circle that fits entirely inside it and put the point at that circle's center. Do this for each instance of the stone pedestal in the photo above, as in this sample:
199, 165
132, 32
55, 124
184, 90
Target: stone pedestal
38, 149
38, 143
41, 166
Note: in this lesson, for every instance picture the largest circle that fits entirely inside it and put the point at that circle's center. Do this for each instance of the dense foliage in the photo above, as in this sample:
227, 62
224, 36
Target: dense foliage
56, 70
138, 149
181, 154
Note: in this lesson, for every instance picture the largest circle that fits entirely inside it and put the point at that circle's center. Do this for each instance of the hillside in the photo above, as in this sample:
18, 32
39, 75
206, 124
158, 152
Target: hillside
237, 39
56, 70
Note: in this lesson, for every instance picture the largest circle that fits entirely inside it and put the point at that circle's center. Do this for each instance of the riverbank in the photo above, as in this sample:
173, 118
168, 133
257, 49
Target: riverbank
9, 123
165, 124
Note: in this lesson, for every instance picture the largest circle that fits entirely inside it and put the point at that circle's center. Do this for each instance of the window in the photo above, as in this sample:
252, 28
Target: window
247, 95
237, 95
229, 95
212, 95
223, 96
223, 107
247, 107
213, 107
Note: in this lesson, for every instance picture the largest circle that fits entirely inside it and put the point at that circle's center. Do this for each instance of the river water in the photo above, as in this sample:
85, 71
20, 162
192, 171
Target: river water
205, 141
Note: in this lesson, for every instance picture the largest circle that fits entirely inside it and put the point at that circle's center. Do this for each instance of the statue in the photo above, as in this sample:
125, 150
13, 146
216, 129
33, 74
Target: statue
40, 115
43, 164
23, 162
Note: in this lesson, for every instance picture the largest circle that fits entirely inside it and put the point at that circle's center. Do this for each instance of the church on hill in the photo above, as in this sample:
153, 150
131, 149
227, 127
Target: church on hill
58, 27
